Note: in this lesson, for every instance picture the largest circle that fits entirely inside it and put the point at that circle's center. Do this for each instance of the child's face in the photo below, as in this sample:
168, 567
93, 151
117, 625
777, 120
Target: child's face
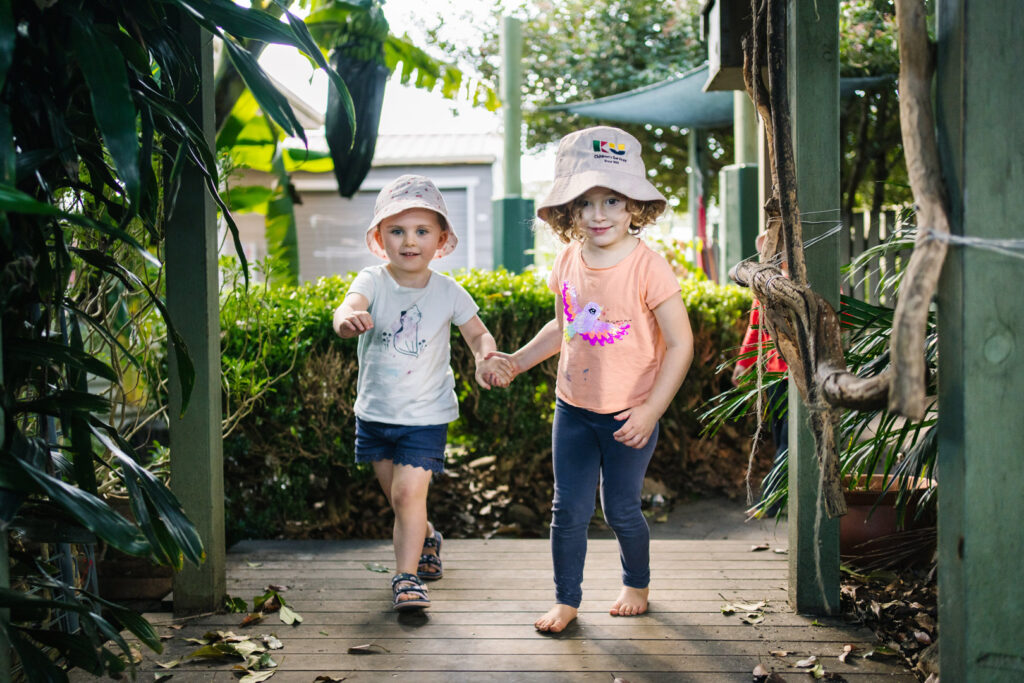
604, 220
411, 238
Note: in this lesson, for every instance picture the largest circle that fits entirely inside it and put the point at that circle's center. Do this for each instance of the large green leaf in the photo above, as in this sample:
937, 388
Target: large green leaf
103, 68
281, 230
169, 530
273, 103
91, 512
223, 16
52, 352
249, 198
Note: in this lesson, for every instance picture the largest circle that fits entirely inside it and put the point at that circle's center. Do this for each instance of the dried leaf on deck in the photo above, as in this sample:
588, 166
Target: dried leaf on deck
368, 649
759, 547
847, 651
252, 618
805, 663
818, 671
922, 637
280, 588
255, 565
289, 616
324, 678
780, 653
169, 665
257, 676
377, 567
272, 642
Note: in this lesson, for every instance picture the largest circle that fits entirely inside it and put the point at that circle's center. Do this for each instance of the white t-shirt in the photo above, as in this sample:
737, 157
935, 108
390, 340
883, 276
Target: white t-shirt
405, 374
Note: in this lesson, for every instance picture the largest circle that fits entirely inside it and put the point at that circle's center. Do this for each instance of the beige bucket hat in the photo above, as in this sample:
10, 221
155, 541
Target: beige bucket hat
601, 156
410, 192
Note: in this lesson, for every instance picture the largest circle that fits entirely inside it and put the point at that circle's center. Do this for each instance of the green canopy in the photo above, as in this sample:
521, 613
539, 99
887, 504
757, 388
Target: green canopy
681, 101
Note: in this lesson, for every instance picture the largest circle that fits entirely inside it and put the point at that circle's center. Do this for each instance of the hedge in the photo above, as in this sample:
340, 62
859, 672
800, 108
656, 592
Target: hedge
290, 386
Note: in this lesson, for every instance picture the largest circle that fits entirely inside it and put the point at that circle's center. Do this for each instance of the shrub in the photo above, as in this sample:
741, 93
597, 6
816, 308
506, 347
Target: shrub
289, 466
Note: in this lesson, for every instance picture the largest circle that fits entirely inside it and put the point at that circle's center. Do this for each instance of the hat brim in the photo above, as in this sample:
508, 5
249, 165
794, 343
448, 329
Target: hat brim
568, 188
397, 207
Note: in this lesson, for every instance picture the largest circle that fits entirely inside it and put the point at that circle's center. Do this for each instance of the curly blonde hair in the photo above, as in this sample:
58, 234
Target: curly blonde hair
565, 219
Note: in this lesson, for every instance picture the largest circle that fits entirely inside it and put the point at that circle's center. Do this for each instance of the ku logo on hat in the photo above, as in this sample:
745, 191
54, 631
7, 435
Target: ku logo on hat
605, 147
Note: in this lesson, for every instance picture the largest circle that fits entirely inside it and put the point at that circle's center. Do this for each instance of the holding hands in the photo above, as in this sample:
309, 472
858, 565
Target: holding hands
495, 370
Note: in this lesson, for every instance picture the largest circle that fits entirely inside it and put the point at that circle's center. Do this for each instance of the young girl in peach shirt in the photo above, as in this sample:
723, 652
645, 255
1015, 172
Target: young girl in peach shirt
625, 344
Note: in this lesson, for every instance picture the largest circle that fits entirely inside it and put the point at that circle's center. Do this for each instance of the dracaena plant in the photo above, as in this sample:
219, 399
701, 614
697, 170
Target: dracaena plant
93, 140
871, 441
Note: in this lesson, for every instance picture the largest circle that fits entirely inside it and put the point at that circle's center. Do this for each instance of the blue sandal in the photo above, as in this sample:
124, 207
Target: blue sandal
403, 584
430, 567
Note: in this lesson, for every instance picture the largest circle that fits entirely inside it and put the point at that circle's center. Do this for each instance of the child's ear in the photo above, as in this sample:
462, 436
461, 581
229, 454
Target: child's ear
444, 238
377, 238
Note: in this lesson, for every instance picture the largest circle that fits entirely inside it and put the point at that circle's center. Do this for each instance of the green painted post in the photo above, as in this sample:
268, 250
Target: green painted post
197, 472
738, 185
744, 128
981, 346
513, 215
740, 212
813, 77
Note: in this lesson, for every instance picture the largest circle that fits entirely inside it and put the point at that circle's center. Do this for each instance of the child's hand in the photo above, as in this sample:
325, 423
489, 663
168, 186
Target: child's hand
352, 324
640, 421
495, 370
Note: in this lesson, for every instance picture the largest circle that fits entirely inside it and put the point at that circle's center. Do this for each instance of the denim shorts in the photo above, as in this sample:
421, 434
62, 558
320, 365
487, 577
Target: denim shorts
418, 445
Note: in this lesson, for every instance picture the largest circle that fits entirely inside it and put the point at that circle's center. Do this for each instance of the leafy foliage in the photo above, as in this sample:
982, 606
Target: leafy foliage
290, 460
94, 136
577, 50
580, 50
870, 441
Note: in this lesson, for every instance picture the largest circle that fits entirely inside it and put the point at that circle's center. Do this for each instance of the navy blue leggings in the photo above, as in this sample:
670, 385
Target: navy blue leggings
585, 454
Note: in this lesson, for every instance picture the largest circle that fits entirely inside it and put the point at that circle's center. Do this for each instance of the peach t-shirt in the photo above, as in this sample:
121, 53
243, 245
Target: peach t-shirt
612, 346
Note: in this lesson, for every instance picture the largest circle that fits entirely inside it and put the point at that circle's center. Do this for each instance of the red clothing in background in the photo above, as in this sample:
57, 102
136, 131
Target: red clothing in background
751, 340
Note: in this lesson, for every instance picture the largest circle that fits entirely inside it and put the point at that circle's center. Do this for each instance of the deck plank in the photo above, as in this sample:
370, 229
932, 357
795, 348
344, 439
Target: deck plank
479, 628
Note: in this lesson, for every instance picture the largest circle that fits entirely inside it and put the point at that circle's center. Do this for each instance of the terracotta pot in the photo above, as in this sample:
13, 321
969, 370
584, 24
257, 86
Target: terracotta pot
870, 530
122, 577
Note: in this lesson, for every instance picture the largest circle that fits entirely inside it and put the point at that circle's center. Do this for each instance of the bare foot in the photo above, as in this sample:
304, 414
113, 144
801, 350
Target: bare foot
556, 619
631, 602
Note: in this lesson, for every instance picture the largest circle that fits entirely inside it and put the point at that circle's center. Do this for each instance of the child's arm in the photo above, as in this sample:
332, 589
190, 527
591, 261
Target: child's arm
675, 328
351, 318
491, 369
546, 343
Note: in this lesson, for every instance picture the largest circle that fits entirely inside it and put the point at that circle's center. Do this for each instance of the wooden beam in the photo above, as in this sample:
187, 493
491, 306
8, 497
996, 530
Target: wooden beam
981, 346
813, 77
197, 472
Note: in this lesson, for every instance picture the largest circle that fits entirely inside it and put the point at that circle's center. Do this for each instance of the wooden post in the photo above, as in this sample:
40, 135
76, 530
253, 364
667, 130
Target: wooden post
197, 472
981, 345
813, 77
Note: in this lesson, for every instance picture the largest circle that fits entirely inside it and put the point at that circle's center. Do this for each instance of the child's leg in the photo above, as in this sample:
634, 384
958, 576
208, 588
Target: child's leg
406, 488
622, 480
575, 456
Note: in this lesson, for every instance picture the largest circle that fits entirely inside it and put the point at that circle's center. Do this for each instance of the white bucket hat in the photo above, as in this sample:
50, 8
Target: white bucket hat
601, 156
410, 192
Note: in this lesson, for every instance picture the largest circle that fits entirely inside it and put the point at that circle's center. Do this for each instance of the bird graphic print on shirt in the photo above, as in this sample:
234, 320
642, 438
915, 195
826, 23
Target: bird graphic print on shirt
586, 322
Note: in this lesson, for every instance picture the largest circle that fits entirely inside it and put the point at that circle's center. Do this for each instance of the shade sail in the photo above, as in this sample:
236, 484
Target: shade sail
681, 101
678, 101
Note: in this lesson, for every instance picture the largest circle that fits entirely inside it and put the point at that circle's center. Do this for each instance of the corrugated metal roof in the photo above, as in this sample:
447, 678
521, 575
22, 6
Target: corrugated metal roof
443, 148
423, 149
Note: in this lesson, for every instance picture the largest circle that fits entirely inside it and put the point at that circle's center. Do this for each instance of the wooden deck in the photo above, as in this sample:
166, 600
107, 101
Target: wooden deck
480, 625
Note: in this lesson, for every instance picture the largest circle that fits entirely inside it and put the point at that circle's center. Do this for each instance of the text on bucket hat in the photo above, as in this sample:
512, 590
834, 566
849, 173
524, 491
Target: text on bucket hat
410, 192
601, 156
